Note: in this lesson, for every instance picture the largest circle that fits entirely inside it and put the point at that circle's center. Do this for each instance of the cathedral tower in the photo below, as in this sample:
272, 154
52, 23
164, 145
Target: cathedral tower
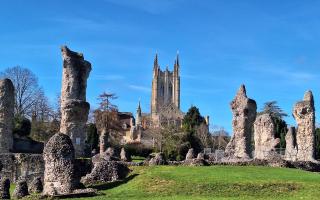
165, 87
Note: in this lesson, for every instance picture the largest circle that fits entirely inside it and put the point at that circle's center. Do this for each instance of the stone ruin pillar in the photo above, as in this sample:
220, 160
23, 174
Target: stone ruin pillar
264, 140
244, 114
291, 146
59, 174
304, 114
6, 115
74, 108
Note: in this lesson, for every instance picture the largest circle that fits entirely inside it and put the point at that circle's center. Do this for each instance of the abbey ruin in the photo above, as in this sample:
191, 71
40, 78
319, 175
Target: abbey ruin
58, 171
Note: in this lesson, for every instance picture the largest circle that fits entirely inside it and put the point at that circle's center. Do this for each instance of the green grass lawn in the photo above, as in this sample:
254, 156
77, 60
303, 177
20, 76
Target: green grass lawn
214, 182
138, 159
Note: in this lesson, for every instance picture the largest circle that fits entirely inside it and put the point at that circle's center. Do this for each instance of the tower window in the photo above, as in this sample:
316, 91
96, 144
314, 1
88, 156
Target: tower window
162, 90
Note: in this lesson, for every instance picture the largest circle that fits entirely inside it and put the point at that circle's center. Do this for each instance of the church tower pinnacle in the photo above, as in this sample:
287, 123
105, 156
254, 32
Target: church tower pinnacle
138, 115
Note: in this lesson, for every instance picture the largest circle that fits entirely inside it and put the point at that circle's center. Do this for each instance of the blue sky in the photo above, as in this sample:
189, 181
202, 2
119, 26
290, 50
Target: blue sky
273, 47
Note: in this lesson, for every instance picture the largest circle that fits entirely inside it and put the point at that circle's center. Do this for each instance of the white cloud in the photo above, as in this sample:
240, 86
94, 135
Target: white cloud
140, 88
284, 73
113, 77
149, 6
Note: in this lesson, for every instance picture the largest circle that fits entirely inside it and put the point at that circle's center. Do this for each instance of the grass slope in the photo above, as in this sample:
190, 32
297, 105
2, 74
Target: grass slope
214, 182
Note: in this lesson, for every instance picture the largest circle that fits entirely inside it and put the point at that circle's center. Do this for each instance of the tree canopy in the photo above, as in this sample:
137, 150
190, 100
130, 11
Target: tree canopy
273, 109
192, 119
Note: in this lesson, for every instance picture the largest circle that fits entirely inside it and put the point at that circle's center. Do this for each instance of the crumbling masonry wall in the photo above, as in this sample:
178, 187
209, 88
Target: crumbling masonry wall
244, 112
304, 114
17, 165
264, 137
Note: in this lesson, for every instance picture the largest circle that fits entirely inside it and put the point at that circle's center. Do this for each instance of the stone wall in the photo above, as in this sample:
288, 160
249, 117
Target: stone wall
15, 165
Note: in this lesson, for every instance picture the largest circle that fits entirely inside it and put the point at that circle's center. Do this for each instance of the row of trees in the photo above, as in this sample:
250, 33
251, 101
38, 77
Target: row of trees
31, 104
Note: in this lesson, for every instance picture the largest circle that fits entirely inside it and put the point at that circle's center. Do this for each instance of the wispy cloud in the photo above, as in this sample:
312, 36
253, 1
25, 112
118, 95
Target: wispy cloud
140, 88
149, 6
284, 73
79, 22
197, 91
113, 77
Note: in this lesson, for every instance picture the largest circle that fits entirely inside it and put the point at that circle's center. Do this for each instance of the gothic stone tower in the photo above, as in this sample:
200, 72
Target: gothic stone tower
165, 87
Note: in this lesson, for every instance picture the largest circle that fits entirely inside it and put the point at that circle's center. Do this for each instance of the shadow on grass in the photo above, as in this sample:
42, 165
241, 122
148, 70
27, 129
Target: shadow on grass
114, 184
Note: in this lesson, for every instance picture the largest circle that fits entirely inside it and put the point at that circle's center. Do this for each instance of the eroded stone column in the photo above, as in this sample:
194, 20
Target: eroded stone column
244, 113
291, 146
6, 115
304, 114
264, 137
74, 108
59, 174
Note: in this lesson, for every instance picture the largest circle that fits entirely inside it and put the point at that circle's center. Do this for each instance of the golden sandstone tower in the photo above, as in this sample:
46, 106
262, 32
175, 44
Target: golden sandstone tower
165, 88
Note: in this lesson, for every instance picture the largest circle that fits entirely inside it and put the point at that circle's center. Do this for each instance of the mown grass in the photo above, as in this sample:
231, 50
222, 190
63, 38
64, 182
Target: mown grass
138, 159
214, 182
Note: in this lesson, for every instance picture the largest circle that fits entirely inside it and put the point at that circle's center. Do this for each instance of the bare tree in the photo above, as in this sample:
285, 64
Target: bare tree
203, 134
57, 107
219, 138
106, 118
41, 109
27, 90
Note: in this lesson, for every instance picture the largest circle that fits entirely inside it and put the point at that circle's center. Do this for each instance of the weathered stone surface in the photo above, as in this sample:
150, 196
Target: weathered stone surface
5, 189
21, 189
264, 137
75, 74
200, 156
158, 159
106, 171
124, 156
244, 113
192, 161
16, 165
59, 175
291, 146
6, 115
108, 155
36, 186
74, 108
190, 154
110, 152
304, 114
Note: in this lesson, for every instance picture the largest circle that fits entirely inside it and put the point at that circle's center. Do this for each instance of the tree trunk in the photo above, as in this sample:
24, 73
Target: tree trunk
103, 141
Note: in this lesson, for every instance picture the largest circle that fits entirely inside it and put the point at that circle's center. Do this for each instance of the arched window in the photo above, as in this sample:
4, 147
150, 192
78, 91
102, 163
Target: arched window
162, 90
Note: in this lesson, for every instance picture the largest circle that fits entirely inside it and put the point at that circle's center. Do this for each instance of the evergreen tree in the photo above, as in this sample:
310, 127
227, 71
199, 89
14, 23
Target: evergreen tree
92, 136
277, 115
191, 121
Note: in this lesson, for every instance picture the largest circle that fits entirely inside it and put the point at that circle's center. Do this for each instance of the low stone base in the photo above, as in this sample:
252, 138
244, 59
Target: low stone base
88, 192
307, 166
106, 171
